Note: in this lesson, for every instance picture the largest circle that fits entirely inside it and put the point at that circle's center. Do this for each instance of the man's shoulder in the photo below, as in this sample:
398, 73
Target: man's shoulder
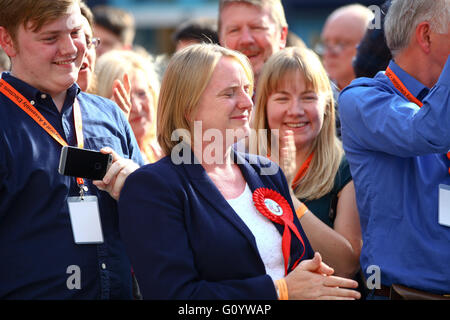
101, 109
93, 101
361, 89
380, 81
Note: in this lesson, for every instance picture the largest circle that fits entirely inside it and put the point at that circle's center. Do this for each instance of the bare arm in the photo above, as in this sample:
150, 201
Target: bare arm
347, 224
334, 247
341, 246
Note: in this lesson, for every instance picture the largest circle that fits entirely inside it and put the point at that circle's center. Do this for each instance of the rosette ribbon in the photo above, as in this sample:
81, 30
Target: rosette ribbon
275, 207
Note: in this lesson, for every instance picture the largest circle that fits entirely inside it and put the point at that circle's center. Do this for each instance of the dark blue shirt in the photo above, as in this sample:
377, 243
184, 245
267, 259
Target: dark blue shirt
37, 249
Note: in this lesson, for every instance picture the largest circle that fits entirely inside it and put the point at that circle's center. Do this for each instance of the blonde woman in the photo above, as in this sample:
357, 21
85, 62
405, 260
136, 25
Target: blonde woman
140, 87
295, 103
200, 229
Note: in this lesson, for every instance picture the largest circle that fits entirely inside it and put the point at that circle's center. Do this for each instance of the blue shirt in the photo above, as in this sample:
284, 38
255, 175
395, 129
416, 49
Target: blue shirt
397, 155
37, 249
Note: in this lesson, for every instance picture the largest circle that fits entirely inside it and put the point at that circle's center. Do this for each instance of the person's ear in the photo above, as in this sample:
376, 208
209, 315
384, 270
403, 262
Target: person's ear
422, 36
283, 35
7, 43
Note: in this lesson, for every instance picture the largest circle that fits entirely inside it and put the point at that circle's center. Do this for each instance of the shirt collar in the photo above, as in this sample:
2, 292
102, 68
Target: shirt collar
413, 85
30, 92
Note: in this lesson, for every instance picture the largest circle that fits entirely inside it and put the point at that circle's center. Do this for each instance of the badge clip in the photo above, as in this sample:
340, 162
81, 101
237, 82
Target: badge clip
83, 190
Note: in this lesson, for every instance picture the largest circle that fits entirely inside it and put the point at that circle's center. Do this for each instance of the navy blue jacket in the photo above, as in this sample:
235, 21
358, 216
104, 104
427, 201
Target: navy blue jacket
186, 242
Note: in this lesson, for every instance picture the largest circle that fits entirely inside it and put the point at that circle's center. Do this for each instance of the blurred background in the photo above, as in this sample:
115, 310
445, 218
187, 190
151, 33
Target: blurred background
156, 20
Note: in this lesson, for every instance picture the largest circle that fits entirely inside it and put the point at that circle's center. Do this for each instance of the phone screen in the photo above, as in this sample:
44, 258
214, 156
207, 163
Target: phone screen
85, 163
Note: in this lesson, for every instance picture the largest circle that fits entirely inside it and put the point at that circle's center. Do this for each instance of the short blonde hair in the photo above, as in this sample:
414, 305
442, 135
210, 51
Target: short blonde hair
186, 77
274, 7
328, 152
115, 63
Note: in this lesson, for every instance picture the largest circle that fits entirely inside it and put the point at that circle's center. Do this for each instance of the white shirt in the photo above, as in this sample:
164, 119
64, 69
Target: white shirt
268, 239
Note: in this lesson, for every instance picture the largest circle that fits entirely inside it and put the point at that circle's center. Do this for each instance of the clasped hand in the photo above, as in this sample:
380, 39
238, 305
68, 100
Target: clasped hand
313, 280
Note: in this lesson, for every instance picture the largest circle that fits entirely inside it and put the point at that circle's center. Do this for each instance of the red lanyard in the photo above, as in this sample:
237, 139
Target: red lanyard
302, 171
402, 88
26, 106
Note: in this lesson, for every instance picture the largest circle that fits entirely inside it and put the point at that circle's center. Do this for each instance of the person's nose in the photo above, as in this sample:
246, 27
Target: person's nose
296, 108
136, 104
246, 36
245, 101
68, 46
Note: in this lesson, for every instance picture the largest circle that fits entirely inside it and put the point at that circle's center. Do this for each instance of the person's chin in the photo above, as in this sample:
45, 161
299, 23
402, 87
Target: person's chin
257, 66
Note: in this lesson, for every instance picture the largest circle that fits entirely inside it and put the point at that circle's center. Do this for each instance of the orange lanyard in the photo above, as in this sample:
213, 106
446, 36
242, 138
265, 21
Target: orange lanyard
302, 171
402, 88
29, 109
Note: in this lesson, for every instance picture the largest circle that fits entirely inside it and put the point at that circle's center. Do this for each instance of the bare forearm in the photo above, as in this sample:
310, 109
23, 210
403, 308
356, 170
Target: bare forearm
335, 249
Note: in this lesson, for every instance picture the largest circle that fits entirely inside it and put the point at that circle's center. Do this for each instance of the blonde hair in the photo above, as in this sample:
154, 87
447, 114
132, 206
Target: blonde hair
115, 63
328, 152
186, 77
274, 8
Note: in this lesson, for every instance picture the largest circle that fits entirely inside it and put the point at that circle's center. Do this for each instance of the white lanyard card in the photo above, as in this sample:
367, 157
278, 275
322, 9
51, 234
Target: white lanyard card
85, 219
444, 205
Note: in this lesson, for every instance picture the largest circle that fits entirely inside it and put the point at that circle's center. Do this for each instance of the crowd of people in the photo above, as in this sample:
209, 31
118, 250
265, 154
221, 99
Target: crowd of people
246, 166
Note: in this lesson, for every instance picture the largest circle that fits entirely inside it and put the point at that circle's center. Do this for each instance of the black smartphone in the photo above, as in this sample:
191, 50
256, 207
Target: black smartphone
83, 163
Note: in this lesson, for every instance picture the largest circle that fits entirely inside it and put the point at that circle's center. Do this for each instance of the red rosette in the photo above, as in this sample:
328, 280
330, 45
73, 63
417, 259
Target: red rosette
275, 207
272, 205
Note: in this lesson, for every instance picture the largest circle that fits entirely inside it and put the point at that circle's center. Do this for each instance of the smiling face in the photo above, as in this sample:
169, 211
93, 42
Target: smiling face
49, 59
226, 101
88, 65
143, 105
252, 31
295, 106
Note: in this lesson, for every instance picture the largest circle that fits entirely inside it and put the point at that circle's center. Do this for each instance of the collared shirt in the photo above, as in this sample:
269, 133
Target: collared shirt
397, 155
39, 259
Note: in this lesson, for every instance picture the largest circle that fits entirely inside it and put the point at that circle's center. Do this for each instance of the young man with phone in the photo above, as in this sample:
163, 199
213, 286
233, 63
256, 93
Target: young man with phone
59, 233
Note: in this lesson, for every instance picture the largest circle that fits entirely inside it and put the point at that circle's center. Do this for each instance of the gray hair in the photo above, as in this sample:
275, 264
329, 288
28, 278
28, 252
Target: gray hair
275, 8
405, 15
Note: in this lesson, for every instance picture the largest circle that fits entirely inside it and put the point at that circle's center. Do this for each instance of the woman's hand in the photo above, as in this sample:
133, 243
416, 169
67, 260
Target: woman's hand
122, 94
313, 280
287, 155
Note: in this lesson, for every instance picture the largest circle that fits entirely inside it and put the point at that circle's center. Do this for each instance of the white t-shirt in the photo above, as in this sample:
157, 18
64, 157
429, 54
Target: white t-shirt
268, 239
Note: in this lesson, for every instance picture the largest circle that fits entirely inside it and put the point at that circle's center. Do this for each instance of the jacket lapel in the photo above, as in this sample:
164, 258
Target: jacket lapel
208, 190
255, 180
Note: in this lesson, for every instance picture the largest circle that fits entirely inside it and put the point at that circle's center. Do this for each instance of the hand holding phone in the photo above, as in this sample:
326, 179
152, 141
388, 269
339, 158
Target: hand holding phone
84, 163
115, 178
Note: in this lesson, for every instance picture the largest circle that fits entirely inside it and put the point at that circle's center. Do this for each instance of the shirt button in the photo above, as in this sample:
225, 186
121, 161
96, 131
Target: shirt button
103, 266
43, 96
32, 102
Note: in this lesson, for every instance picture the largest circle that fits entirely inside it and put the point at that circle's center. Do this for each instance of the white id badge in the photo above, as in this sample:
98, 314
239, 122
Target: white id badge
444, 205
85, 219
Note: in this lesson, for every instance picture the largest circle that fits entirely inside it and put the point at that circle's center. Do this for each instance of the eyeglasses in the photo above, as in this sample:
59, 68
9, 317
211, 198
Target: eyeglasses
92, 42
335, 48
